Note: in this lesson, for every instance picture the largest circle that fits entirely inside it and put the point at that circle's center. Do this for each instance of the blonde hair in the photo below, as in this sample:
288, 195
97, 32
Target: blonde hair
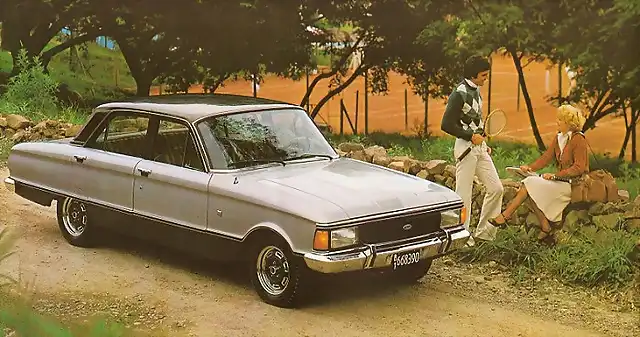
572, 116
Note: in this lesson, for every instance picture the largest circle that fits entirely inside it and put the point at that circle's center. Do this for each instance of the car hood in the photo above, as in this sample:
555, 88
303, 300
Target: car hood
355, 188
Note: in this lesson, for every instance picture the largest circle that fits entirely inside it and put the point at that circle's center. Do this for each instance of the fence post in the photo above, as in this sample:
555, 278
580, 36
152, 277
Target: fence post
366, 103
490, 81
341, 118
518, 98
406, 109
426, 113
309, 99
560, 80
357, 104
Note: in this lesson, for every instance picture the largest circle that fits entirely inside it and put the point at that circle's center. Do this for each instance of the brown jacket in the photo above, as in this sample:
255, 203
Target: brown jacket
573, 162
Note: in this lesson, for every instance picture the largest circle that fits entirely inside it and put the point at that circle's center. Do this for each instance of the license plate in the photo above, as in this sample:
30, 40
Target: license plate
406, 258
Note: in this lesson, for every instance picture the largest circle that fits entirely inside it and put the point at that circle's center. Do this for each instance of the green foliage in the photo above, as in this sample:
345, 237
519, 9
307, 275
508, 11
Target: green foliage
593, 259
30, 92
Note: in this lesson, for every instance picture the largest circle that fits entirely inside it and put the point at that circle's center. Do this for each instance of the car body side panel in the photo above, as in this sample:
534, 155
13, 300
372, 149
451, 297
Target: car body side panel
171, 193
232, 214
101, 177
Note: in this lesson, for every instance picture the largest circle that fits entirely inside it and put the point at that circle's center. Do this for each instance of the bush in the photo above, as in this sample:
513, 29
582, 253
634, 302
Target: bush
31, 93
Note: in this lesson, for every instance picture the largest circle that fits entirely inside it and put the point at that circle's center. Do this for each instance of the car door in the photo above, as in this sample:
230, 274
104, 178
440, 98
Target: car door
109, 158
172, 185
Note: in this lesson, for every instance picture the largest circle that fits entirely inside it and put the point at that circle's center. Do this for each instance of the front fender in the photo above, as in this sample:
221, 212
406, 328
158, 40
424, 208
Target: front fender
299, 241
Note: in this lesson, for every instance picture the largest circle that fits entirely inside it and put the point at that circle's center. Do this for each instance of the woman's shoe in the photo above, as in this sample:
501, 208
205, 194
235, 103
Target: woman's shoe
501, 225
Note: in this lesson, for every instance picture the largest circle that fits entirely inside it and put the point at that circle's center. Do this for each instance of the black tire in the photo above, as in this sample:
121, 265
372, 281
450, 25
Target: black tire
74, 221
277, 261
410, 274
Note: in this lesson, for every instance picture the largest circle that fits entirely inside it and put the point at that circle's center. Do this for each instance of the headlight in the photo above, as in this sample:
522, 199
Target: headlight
453, 217
334, 239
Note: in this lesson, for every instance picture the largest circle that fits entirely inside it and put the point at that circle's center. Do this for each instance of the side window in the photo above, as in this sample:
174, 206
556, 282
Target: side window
174, 145
124, 134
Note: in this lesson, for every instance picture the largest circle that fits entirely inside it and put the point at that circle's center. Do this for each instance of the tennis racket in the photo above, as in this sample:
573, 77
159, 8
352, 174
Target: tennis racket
495, 122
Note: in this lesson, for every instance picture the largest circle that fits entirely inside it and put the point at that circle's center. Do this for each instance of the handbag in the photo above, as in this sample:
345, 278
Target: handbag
595, 186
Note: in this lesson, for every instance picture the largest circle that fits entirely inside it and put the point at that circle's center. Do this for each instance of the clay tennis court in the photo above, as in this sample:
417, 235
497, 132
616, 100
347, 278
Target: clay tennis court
387, 112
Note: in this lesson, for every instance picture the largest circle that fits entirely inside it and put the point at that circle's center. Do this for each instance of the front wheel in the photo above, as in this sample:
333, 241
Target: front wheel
276, 274
75, 223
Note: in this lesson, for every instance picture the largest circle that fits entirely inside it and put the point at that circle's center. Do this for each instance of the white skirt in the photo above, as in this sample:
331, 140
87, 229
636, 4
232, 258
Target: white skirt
551, 196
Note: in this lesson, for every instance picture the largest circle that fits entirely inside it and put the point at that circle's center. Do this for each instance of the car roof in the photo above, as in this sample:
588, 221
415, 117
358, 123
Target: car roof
195, 106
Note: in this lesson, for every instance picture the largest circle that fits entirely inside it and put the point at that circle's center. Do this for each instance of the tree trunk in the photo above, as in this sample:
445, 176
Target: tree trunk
527, 99
627, 134
634, 120
143, 85
359, 71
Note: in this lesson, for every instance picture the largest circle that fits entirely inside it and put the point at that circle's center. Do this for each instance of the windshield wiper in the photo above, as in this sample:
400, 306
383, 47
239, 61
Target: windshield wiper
256, 161
310, 155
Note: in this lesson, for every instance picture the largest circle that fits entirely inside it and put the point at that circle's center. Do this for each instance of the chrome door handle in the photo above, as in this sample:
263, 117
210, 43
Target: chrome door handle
80, 158
144, 172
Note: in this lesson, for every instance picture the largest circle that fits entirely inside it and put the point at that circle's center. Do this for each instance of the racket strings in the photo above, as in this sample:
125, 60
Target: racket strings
495, 123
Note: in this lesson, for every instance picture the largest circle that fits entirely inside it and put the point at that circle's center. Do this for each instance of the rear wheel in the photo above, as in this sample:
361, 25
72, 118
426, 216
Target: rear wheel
276, 275
75, 223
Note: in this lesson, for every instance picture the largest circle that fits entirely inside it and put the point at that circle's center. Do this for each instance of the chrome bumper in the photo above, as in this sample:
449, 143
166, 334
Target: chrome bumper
380, 256
10, 184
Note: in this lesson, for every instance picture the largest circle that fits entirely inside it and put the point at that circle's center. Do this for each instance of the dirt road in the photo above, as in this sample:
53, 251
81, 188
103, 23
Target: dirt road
153, 289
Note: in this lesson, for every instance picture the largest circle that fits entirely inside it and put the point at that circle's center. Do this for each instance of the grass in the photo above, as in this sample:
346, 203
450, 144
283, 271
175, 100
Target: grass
103, 74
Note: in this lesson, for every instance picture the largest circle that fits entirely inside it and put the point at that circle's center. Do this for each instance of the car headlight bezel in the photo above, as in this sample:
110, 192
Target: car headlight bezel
335, 239
452, 217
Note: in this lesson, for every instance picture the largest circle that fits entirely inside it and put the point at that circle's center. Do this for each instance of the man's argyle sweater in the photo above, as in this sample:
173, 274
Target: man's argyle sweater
463, 114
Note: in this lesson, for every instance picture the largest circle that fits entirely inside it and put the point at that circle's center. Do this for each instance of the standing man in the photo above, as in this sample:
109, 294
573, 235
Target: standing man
463, 120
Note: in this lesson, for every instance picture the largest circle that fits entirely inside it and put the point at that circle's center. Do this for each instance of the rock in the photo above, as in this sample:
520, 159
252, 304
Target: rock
607, 221
19, 136
382, 160
632, 225
8, 133
424, 174
341, 153
397, 165
18, 122
450, 171
357, 155
349, 147
413, 166
532, 221
575, 219
3, 122
623, 195
435, 166
373, 151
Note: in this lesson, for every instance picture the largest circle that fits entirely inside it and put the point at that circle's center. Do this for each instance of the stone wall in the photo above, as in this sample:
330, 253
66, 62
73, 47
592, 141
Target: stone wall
19, 129
623, 214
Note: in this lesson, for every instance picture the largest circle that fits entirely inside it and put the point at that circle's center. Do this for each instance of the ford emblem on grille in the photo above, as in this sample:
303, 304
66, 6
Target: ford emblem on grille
407, 227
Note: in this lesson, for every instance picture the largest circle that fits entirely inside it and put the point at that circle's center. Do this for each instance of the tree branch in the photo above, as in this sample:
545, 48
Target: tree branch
51, 52
359, 71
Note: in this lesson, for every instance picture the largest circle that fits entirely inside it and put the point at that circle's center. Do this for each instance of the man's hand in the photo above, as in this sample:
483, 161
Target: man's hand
547, 176
477, 139
525, 168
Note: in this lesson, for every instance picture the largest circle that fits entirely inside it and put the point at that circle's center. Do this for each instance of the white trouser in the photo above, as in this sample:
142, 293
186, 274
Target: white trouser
478, 163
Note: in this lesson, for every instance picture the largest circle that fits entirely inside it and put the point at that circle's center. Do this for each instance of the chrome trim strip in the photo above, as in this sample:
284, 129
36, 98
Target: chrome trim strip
131, 212
10, 184
375, 256
443, 206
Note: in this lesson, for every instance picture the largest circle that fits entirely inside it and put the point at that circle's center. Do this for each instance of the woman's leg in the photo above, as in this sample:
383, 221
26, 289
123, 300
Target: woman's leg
545, 226
520, 197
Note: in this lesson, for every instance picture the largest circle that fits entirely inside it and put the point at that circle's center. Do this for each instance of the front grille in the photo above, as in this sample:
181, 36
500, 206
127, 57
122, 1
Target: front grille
392, 229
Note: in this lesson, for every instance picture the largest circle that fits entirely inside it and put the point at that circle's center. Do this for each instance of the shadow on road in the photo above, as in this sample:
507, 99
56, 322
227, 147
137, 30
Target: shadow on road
325, 289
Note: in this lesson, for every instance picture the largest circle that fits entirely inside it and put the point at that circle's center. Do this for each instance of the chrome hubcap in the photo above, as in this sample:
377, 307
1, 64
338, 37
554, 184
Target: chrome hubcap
74, 217
273, 270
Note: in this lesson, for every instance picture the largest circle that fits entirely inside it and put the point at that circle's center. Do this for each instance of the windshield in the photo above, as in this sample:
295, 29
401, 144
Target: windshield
258, 137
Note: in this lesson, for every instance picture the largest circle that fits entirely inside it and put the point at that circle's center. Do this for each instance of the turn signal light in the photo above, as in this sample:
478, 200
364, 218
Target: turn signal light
463, 215
321, 240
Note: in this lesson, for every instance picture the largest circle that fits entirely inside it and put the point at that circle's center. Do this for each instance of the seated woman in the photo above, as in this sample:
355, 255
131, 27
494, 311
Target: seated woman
547, 197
